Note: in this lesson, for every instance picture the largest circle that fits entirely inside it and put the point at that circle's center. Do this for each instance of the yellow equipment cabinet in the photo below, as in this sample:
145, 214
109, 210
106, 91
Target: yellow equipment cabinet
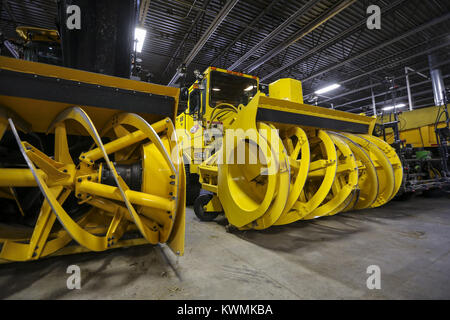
88, 162
272, 160
416, 127
425, 157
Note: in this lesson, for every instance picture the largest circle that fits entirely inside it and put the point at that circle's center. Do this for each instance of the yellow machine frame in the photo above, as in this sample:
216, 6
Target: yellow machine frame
327, 161
416, 127
155, 214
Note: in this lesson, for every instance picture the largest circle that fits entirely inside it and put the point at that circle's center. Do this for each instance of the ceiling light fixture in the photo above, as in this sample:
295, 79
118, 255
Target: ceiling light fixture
328, 88
400, 105
139, 38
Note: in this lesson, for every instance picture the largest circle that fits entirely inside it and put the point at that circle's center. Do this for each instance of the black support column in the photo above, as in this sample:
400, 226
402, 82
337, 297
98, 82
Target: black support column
104, 43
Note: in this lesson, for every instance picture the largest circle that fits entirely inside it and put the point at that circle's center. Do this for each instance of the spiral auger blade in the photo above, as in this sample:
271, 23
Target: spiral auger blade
318, 172
118, 196
283, 174
321, 173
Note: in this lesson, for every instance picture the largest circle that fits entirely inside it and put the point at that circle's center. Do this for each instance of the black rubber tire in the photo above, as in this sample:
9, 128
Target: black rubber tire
434, 193
201, 201
404, 196
193, 186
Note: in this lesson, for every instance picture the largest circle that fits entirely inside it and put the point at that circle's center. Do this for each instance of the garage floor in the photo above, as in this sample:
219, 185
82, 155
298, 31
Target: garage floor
321, 259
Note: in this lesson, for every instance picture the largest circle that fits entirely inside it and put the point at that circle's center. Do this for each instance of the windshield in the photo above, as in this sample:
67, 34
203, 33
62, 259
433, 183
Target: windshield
231, 89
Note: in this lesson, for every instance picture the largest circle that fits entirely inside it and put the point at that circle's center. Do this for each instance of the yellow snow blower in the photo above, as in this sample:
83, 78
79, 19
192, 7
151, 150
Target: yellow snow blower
268, 160
88, 162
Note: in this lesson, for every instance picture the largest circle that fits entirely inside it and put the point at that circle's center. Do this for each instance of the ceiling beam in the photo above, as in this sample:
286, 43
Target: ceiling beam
144, 5
204, 38
186, 36
9, 11
384, 93
274, 33
420, 28
244, 32
384, 67
330, 13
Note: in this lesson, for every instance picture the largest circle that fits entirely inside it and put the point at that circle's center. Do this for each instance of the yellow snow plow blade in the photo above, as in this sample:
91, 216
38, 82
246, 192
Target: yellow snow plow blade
99, 155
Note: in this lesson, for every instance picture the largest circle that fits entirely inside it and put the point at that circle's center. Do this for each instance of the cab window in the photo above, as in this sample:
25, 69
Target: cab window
194, 102
232, 89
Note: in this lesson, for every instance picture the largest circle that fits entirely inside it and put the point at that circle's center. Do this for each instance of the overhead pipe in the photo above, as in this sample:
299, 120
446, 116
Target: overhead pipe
422, 27
373, 85
402, 97
381, 68
442, 45
330, 42
436, 79
208, 33
247, 29
408, 87
380, 94
374, 104
274, 33
186, 36
301, 34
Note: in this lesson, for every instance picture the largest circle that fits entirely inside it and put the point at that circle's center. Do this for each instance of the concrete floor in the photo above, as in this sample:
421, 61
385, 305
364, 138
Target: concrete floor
322, 259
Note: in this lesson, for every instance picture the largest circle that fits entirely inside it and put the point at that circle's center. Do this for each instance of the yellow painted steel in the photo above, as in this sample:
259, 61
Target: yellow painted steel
302, 171
116, 215
416, 127
38, 34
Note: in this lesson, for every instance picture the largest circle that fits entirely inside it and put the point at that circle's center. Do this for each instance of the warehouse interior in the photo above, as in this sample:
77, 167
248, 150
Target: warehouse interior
91, 175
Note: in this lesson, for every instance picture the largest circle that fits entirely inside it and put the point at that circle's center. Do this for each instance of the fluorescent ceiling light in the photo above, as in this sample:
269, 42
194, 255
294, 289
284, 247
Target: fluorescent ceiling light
329, 88
249, 88
401, 105
216, 89
139, 38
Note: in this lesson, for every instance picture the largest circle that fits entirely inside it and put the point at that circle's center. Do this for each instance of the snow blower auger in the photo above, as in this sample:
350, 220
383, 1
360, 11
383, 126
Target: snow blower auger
278, 160
66, 187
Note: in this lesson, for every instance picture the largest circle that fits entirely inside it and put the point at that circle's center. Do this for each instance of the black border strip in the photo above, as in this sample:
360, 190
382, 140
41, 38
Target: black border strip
272, 115
25, 85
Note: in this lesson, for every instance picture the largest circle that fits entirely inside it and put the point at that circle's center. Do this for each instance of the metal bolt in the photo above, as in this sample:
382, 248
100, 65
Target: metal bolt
79, 179
79, 195
89, 178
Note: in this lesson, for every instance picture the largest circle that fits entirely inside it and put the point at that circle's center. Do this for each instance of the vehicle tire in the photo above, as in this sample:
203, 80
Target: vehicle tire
434, 193
201, 201
193, 186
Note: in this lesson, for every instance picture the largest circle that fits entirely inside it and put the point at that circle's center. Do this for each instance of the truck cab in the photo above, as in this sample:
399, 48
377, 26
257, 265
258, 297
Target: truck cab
211, 99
